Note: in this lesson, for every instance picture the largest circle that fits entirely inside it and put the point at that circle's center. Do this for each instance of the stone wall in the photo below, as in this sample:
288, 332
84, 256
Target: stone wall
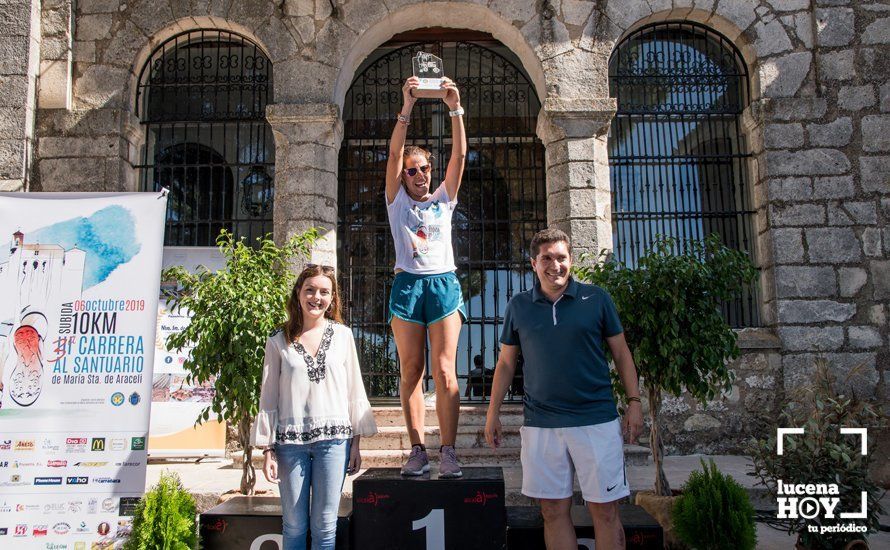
19, 59
818, 127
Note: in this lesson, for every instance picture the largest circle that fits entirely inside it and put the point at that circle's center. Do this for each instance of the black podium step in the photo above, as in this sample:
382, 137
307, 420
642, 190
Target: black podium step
254, 523
426, 512
525, 528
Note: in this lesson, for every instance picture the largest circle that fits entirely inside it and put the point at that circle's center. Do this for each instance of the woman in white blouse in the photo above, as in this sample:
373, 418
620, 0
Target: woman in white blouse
313, 410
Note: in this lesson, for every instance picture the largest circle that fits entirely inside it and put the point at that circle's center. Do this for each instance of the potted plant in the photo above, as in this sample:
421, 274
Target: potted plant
233, 311
823, 455
713, 512
669, 303
165, 518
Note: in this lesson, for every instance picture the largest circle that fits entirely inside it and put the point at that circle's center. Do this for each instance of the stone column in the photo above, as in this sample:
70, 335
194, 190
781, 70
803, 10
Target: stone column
307, 141
574, 131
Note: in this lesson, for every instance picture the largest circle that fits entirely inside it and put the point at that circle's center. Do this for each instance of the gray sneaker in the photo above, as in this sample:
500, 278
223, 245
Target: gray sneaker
448, 466
418, 462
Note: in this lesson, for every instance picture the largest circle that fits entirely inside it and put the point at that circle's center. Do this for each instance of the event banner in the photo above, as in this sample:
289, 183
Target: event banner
175, 402
79, 276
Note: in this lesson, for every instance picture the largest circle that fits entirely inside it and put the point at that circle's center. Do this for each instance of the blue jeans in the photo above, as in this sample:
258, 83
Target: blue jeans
320, 466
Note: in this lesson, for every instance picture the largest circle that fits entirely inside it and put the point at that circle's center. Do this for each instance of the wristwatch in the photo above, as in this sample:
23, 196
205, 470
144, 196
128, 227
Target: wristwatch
457, 112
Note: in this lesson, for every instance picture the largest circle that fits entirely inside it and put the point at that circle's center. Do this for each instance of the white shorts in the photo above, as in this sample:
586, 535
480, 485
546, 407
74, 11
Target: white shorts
550, 457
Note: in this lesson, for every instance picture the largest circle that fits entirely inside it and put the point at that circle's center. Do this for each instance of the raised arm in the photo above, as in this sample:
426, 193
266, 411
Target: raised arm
455, 171
397, 141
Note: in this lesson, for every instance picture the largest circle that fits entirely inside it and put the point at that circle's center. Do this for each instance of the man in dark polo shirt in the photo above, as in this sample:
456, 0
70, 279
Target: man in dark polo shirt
571, 423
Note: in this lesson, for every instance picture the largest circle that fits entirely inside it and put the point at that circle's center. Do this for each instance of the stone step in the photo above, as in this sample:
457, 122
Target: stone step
470, 415
468, 437
507, 457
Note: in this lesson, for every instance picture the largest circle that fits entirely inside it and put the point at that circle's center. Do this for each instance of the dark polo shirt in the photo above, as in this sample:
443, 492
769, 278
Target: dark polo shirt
565, 370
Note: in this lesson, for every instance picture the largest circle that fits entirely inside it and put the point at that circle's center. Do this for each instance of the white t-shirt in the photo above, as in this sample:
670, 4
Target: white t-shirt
421, 232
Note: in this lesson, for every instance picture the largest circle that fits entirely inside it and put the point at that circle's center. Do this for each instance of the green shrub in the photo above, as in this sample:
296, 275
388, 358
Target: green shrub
165, 518
713, 512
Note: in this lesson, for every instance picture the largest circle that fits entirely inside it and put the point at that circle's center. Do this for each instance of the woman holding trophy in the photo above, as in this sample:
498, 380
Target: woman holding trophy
426, 298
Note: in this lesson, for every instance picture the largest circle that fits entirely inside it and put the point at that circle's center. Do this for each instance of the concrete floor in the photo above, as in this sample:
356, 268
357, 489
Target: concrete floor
208, 479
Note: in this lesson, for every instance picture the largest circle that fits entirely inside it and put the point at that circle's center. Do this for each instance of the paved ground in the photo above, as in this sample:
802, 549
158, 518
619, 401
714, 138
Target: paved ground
211, 478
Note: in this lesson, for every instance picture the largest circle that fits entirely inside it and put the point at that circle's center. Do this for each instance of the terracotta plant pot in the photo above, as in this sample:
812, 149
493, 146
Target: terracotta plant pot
662, 509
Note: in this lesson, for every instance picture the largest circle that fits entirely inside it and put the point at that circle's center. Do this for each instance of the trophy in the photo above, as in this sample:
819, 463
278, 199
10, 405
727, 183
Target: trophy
428, 69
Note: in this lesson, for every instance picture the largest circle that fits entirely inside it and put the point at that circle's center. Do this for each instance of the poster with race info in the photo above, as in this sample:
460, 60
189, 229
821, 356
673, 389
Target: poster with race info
177, 402
79, 276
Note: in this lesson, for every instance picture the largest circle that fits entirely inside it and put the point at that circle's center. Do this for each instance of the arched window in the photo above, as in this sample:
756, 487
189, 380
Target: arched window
502, 200
202, 98
677, 155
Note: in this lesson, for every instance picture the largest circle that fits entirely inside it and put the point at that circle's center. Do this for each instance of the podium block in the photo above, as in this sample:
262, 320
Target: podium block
428, 513
254, 523
525, 528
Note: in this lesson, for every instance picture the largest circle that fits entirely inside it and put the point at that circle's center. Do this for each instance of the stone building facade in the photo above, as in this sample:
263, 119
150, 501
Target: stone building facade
816, 124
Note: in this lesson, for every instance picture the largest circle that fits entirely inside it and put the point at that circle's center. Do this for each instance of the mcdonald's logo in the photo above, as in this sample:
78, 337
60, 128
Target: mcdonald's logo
98, 444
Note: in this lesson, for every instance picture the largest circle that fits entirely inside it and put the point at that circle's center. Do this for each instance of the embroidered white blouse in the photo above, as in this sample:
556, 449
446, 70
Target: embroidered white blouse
304, 399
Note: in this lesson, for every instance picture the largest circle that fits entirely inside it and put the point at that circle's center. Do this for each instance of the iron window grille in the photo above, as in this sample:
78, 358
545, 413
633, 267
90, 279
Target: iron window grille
502, 201
678, 158
202, 97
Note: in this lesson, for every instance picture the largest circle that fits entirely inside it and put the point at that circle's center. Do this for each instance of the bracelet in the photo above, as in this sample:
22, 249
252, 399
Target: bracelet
637, 399
403, 119
268, 450
457, 112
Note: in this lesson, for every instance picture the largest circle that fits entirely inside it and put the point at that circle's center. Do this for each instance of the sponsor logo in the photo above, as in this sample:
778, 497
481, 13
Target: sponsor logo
77, 480
24, 445
98, 444
20, 464
58, 508
106, 480
3, 531
128, 464
372, 498
137, 444
135, 398
93, 503
75, 441
50, 445
481, 498
90, 464
56, 546
40, 531
108, 505
80, 545
124, 528
61, 528
75, 506
47, 481
118, 444
117, 399
21, 530
27, 507
57, 463
4, 464
104, 528
83, 527
218, 524
14, 479
5, 508
128, 506
6, 445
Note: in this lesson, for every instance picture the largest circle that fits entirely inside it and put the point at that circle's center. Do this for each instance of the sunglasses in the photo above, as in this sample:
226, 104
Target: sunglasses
413, 171
323, 267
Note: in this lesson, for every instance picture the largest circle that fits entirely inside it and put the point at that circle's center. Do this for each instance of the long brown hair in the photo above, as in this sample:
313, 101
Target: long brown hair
294, 324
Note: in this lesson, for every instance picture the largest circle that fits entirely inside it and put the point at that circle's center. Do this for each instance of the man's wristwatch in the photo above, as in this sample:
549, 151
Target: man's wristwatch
457, 112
